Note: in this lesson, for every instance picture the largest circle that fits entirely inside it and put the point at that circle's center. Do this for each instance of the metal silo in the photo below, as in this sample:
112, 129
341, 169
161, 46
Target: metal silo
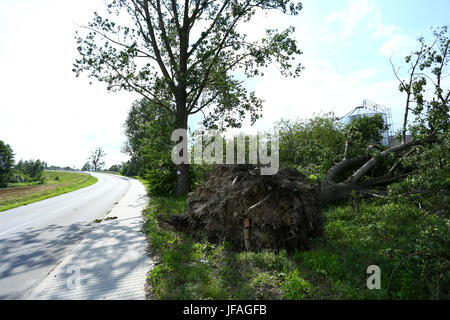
370, 109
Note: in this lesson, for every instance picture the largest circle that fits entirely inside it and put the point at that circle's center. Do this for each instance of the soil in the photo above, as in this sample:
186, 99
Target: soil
253, 211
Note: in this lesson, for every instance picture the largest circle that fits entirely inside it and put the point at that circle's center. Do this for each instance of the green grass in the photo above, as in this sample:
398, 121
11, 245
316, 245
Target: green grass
23, 184
410, 246
56, 183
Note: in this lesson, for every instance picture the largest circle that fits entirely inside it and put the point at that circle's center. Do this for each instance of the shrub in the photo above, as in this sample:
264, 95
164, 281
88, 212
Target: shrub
295, 287
34, 169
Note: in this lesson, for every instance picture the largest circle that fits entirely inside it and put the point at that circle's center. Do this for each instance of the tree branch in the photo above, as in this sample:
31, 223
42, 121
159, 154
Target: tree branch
341, 167
164, 36
204, 34
154, 45
374, 160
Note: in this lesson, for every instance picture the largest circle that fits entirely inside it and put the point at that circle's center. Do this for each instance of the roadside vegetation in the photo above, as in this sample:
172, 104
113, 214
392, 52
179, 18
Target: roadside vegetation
409, 244
402, 228
50, 185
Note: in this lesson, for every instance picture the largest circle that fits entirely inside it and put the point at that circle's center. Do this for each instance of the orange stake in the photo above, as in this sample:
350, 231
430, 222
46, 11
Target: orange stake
247, 233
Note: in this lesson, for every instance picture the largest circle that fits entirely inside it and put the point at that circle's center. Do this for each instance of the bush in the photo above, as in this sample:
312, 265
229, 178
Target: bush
312, 146
19, 177
162, 180
33, 169
295, 287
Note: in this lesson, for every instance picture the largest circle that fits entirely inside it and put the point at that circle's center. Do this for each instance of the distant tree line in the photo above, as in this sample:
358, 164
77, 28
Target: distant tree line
52, 167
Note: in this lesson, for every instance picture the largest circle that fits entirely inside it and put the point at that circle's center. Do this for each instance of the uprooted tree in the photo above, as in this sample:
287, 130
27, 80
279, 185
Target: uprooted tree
427, 65
239, 205
181, 55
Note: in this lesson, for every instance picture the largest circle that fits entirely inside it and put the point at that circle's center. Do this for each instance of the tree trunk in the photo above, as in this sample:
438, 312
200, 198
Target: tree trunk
340, 167
405, 118
183, 180
332, 191
337, 191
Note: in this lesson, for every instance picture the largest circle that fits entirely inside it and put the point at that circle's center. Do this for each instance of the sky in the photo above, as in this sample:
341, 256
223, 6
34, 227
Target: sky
47, 113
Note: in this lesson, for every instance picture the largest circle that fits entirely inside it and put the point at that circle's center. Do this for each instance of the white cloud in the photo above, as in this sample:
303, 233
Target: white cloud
358, 11
400, 44
320, 87
384, 31
364, 74
328, 38
367, 12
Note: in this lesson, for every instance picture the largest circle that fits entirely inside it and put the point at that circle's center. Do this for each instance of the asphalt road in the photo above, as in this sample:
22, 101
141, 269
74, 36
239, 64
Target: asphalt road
35, 238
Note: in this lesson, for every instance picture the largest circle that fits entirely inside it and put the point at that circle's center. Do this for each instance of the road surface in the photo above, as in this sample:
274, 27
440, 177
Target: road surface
35, 238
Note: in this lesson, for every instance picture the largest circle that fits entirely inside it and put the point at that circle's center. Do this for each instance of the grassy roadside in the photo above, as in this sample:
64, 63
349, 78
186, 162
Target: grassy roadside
404, 241
56, 183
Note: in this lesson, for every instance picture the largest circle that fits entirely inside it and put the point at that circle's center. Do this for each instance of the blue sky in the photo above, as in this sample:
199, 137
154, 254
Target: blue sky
47, 113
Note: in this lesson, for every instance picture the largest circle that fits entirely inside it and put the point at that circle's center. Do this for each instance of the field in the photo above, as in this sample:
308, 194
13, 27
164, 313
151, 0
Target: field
56, 183
407, 244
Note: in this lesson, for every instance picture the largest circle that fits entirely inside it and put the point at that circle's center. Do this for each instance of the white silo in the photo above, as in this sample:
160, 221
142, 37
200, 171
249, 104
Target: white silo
370, 109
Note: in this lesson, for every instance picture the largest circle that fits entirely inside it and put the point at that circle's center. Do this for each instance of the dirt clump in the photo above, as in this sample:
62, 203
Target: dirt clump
253, 211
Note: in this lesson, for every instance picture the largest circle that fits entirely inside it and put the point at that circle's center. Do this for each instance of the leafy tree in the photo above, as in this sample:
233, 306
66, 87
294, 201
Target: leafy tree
148, 129
6, 163
115, 168
429, 184
96, 159
33, 169
312, 145
130, 168
87, 166
427, 65
181, 55
362, 132
142, 114
426, 163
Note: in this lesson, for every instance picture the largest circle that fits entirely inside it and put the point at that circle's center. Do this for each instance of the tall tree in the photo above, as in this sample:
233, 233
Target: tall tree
181, 54
96, 158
